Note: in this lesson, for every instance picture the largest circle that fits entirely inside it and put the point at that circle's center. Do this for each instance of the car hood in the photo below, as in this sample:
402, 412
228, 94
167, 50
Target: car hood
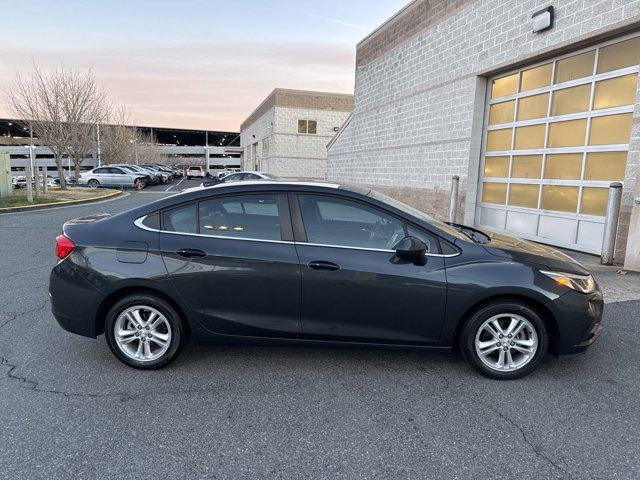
526, 251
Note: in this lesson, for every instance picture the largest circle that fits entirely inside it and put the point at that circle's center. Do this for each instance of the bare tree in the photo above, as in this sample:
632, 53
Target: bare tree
117, 139
148, 150
122, 143
37, 101
84, 106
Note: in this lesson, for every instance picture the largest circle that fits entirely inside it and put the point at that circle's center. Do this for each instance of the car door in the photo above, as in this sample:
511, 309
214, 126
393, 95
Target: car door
233, 261
354, 287
119, 177
102, 175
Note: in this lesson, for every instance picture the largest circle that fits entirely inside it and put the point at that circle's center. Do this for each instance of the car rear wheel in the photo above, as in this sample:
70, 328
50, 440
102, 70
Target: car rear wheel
504, 340
93, 182
144, 331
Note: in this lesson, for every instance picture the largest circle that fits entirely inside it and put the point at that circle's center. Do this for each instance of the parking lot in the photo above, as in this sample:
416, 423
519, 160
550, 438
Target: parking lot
69, 409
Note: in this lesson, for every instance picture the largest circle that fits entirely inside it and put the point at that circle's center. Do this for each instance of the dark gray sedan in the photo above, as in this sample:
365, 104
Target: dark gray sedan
316, 264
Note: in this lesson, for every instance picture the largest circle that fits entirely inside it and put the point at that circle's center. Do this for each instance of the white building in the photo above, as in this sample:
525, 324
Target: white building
537, 124
288, 133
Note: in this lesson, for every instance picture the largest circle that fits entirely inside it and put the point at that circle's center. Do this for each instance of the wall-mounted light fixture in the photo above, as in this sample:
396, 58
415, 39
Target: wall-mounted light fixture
543, 20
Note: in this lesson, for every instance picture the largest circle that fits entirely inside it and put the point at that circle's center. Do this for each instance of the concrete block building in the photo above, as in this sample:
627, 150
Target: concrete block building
533, 103
288, 133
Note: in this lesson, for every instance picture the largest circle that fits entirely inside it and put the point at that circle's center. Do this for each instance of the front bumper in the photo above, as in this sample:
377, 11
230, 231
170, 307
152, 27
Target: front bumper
578, 319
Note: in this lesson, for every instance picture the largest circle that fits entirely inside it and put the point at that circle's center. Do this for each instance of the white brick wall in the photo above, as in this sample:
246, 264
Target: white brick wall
253, 133
291, 154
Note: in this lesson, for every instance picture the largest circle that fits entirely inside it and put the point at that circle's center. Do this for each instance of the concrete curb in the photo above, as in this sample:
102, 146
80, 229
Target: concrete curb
44, 206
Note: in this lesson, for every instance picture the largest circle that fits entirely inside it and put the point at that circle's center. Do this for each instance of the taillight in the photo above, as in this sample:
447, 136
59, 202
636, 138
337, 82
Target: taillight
64, 246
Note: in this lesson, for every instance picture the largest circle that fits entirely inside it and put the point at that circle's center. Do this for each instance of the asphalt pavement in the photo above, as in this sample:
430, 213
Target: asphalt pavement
69, 409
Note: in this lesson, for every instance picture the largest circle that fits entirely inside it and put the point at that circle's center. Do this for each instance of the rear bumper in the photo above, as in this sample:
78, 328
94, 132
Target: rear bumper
578, 318
74, 301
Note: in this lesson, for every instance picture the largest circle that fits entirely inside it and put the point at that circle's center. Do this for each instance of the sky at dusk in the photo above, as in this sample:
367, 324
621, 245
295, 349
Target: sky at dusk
191, 64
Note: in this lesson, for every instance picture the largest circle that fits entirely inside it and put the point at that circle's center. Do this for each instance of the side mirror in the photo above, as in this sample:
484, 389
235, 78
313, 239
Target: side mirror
411, 248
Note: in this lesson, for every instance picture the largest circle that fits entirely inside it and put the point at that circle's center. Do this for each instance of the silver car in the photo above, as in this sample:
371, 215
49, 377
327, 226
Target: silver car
155, 177
113, 177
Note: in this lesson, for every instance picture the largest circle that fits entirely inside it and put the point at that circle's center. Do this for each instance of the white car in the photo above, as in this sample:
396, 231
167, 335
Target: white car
195, 172
113, 177
240, 176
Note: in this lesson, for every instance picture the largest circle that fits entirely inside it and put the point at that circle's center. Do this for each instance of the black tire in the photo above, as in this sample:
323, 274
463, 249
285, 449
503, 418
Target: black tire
477, 319
93, 182
179, 335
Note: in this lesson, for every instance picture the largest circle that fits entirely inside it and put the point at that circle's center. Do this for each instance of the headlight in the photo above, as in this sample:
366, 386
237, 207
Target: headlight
581, 283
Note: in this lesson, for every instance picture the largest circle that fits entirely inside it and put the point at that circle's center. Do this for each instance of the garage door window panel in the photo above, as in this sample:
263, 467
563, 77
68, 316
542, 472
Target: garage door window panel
535, 106
561, 199
537, 77
501, 87
530, 137
526, 166
594, 201
494, 193
524, 195
575, 67
619, 55
496, 167
616, 92
564, 166
603, 166
502, 112
571, 100
567, 134
611, 129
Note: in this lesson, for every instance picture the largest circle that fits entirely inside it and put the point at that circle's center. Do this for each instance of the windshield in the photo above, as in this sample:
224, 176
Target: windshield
414, 212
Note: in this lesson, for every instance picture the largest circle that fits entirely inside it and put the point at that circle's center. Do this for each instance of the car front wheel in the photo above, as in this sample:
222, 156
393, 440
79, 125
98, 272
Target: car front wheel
504, 340
144, 331
93, 182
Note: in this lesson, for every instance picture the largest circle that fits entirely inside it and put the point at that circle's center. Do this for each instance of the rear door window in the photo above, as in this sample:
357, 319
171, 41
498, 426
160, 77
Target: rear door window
241, 216
181, 219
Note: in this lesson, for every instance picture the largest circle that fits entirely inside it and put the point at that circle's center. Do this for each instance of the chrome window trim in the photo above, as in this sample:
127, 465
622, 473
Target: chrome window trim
138, 223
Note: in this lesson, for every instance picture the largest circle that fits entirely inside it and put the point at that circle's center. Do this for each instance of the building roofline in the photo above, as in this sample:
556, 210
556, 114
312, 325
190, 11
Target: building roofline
387, 21
272, 101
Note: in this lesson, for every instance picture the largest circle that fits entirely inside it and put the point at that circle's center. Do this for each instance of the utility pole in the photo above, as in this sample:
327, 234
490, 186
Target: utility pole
34, 164
98, 138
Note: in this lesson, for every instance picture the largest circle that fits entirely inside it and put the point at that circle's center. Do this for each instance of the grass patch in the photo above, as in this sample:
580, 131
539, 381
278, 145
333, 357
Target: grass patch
54, 195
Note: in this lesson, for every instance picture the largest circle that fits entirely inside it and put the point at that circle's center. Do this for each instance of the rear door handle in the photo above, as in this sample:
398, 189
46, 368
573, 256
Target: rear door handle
322, 265
191, 253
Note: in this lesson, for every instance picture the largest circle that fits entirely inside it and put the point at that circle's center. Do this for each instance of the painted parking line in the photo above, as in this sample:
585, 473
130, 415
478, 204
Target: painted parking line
181, 180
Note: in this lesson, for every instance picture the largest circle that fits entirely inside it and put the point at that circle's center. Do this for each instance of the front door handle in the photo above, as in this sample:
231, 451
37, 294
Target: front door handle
191, 253
322, 265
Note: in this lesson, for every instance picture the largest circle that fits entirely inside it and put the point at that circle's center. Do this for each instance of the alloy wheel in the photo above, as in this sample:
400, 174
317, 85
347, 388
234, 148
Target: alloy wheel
506, 342
142, 333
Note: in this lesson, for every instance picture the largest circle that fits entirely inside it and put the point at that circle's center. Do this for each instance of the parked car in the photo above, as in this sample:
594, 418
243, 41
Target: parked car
164, 176
19, 182
154, 177
113, 177
325, 264
195, 172
240, 176
162, 168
